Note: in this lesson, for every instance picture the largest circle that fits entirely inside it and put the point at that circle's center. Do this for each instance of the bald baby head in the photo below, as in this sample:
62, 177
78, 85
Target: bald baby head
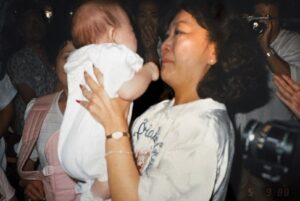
102, 21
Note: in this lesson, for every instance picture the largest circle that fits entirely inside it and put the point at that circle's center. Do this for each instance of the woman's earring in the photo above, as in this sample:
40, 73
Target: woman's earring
212, 62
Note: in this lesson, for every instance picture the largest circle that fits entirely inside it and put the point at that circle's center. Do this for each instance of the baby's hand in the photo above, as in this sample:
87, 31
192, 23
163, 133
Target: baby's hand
153, 69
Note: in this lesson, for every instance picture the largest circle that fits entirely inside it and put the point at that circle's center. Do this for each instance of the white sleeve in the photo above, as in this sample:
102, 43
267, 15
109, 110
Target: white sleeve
186, 171
288, 48
34, 154
294, 62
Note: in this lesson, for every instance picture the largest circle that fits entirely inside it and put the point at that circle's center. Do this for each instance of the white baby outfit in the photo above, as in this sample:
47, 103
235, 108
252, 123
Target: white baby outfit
81, 146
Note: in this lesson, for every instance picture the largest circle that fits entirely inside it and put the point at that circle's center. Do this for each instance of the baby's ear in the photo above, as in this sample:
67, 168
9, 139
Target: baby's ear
111, 33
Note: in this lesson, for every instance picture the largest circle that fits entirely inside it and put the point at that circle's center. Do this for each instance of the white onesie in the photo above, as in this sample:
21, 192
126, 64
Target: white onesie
81, 146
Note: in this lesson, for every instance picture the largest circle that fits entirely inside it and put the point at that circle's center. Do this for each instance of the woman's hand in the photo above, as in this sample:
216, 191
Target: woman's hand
111, 113
289, 92
34, 189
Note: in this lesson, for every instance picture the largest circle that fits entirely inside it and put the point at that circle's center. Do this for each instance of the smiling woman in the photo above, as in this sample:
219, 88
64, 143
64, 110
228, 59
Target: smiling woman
183, 147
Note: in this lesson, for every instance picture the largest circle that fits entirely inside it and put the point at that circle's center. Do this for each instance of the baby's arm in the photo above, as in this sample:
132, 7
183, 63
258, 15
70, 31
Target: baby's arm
135, 87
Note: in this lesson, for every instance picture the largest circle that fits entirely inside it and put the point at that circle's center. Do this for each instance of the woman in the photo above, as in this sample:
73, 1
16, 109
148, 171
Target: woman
57, 185
183, 147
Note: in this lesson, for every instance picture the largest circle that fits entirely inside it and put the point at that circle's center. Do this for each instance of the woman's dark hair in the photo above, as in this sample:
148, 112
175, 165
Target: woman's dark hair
254, 2
239, 78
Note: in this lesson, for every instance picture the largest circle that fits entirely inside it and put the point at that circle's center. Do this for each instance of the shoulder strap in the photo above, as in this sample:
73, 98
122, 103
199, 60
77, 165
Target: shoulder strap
31, 133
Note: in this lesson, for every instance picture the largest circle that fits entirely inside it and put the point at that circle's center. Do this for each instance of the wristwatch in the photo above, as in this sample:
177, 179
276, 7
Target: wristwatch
270, 52
117, 135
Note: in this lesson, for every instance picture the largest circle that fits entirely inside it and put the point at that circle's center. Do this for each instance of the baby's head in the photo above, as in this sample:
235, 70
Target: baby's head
102, 21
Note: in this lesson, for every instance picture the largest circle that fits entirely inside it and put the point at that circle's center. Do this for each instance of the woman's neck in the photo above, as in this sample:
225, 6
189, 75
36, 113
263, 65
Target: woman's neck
185, 97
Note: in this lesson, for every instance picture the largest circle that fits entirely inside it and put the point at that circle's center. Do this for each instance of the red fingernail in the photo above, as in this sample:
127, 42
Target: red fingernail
80, 86
78, 101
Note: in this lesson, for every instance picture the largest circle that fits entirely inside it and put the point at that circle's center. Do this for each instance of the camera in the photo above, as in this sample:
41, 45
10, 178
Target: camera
271, 150
257, 23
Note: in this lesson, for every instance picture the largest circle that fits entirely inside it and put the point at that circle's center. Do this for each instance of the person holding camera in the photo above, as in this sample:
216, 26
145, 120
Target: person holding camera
281, 47
282, 52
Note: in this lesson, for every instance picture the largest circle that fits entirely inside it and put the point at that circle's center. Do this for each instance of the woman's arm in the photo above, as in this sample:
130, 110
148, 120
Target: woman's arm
135, 87
123, 175
276, 64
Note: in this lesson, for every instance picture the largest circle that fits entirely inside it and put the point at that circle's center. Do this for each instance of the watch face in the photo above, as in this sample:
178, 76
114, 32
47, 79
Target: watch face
117, 135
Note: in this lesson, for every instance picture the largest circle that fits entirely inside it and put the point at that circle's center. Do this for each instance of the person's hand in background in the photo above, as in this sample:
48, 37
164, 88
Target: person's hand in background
289, 92
34, 189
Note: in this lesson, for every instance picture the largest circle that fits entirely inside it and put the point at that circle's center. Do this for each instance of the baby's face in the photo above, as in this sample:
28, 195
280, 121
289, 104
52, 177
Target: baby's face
125, 34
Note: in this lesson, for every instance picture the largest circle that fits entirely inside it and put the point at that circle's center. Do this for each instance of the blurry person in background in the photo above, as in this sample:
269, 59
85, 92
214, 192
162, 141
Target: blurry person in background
29, 67
7, 94
57, 185
282, 52
281, 49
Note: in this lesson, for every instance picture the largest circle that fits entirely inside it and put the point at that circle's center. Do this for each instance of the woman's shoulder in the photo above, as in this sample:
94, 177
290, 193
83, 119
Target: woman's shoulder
207, 119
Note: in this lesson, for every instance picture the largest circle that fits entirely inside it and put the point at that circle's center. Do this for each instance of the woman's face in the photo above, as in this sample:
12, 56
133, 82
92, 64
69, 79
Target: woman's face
187, 53
61, 60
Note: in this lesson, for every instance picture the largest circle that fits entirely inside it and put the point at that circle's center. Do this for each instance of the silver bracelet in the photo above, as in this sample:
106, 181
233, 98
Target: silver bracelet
118, 152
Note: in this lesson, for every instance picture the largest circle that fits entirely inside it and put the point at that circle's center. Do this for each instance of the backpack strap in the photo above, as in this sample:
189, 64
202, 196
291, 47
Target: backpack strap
31, 131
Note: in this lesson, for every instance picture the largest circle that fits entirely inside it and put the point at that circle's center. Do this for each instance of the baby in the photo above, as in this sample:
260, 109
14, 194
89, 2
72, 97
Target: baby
105, 38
